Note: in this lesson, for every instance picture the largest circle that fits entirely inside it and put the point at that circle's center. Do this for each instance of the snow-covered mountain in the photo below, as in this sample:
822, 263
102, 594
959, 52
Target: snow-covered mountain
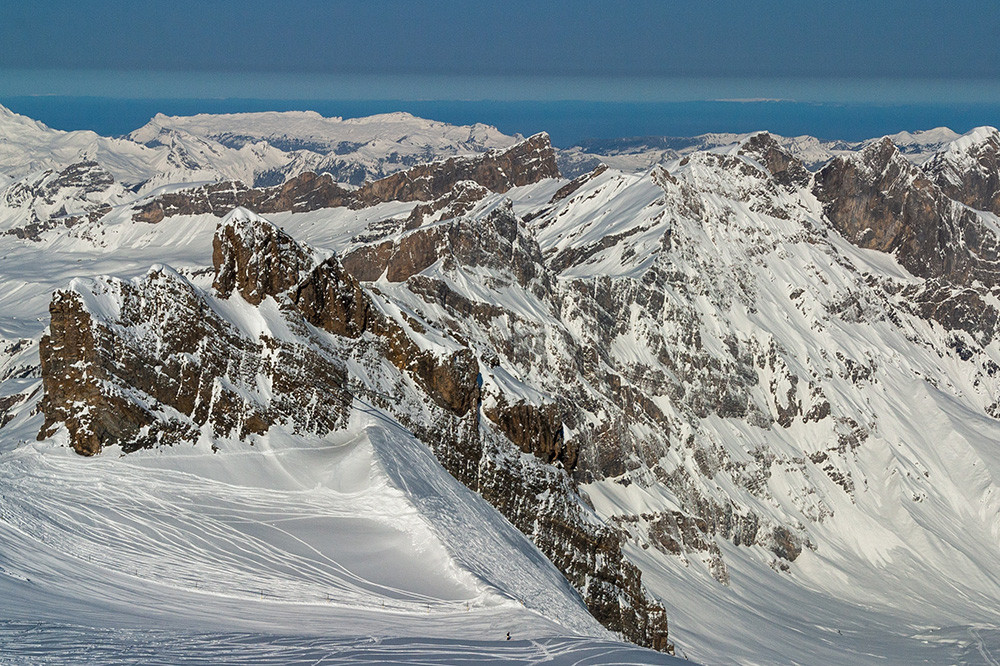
256, 149
642, 153
745, 393
352, 150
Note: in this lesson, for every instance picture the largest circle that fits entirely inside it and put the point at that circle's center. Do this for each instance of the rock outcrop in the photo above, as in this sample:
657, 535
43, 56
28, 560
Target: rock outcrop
878, 200
149, 362
786, 169
688, 367
527, 162
499, 170
255, 258
968, 170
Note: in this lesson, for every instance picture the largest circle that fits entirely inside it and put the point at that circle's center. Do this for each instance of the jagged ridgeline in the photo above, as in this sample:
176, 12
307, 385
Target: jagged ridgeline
704, 367
155, 361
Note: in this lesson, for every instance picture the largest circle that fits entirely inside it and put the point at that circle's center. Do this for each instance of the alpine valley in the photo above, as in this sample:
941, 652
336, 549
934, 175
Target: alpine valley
278, 388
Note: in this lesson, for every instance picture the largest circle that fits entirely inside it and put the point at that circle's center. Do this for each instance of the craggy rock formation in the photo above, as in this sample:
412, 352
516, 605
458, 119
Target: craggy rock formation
52, 199
880, 201
527, 162
331, 299
700, 335
969, 170
493, 241
302, 193
77, 180
783, 167
155, 363
536, 430
578, 182
608, 359
256, 260
499, 170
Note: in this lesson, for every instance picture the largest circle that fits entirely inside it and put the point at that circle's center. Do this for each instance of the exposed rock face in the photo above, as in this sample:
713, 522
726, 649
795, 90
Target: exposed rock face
880, 201
536, 430
302, 193
704, 335
783, 167
255, 258
575, 184
527, 162
493, 241
81, 179
86, 177
333, 300
524, 163
609, 358
72, 374
969, 169
159, 363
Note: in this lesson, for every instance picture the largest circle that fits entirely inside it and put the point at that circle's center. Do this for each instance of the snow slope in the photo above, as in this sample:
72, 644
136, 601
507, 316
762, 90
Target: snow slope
360, 548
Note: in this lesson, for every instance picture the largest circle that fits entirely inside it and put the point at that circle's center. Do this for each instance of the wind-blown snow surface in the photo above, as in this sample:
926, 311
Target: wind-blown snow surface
356, 549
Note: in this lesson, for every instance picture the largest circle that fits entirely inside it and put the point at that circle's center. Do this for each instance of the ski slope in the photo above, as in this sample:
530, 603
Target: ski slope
357, 549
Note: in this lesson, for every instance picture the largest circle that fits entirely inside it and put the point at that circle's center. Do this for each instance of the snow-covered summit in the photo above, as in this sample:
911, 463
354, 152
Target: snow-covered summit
921, 144
308, 130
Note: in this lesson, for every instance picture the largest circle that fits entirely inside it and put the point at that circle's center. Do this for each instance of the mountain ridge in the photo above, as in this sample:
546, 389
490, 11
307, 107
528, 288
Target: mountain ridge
728, 375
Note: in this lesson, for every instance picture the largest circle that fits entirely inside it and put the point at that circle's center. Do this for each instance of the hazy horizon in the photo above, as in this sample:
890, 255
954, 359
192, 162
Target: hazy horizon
568, 122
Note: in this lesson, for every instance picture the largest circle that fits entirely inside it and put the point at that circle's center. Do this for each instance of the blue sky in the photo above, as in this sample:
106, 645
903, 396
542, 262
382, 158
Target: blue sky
892, 52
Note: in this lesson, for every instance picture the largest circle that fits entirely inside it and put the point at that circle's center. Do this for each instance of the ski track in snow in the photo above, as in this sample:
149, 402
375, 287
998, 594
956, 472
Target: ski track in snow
53, 644
356, 550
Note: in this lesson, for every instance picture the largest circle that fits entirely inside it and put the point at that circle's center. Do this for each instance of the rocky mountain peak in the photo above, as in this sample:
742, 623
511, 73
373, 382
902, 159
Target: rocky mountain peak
255, 258
782, 165
968, 169
880, 201
526, 162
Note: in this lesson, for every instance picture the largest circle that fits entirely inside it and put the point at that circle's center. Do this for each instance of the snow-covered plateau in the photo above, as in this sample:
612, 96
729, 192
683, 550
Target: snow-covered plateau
277, 389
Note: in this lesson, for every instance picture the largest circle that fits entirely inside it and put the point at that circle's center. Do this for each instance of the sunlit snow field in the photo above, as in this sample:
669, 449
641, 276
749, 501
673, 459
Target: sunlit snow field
361, 548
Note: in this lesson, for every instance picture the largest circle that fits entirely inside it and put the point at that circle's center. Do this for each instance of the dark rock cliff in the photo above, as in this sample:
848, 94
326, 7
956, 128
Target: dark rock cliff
969, 171
879, 201
783, 167
166, 364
